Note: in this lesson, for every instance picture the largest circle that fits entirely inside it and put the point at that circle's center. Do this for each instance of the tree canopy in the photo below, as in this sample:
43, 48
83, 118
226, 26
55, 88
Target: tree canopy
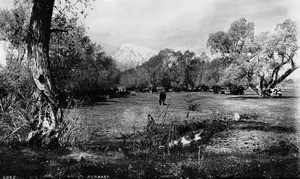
259, 61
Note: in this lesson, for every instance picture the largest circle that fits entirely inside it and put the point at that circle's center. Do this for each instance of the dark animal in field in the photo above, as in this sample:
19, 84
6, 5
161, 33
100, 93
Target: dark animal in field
236, 90
216, 89
162, 98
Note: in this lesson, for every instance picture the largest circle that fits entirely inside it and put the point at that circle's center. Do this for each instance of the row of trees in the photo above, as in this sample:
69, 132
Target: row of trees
239, 58
171, 69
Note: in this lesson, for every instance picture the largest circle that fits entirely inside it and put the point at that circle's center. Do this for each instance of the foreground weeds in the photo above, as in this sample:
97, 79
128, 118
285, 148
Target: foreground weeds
182, 165
149, 154
190, 140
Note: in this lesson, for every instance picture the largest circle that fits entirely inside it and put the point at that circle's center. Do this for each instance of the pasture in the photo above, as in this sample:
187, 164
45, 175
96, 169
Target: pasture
120, 115
262, 142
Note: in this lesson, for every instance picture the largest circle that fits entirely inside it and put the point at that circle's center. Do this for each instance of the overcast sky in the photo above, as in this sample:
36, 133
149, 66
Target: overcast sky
180, 24
177, 24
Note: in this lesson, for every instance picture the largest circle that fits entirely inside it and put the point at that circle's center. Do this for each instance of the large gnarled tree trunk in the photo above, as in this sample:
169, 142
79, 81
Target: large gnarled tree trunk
265, 86
45, 129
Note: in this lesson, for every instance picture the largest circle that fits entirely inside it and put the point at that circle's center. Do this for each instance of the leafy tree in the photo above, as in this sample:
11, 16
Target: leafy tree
30, 33
142, 79
66, 51
186, 70
270, 60
195, 69
14, 28
219, 43
213, 72
135, 78
154, 68
175, 69
95, 75
277, 56
157, 67
202, 69
230, 45
78, 65
260, 62
128, 78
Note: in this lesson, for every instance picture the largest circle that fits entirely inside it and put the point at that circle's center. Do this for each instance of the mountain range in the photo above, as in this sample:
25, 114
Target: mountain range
130, 56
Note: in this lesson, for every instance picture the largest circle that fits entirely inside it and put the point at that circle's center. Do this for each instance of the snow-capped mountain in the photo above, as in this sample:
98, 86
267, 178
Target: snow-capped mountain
130, 56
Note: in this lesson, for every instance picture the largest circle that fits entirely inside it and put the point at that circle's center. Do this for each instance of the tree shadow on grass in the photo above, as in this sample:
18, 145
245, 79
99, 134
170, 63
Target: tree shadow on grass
98, 103
17, 162
262, 126
28, 163
259, 98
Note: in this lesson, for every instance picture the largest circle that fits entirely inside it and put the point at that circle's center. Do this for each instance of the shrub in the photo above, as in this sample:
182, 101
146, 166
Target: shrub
75, 130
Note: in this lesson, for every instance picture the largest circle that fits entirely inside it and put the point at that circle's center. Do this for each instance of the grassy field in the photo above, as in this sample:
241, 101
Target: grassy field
263, 142
121, 114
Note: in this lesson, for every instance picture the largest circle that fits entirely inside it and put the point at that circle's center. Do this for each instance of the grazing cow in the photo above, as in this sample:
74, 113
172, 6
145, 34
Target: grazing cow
162, 98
